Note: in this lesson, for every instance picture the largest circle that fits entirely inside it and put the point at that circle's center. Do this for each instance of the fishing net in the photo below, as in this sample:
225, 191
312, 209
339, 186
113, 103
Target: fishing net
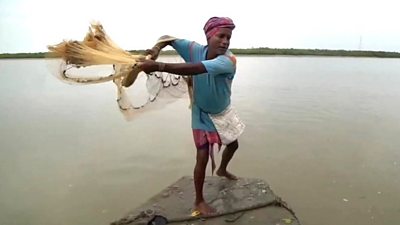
97, 59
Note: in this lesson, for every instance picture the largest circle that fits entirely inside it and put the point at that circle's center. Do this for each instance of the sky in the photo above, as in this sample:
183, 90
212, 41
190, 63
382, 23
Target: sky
30, 26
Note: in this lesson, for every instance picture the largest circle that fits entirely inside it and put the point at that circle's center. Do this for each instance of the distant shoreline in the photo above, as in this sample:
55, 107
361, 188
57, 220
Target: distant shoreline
250, 51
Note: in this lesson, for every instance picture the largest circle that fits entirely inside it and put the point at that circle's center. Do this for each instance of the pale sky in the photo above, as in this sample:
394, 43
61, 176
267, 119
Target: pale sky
29, 26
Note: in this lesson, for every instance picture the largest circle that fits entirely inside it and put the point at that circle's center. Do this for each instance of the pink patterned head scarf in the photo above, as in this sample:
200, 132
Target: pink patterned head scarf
215, 23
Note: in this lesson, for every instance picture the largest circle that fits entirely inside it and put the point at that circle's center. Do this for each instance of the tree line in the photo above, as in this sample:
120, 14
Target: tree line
248, 51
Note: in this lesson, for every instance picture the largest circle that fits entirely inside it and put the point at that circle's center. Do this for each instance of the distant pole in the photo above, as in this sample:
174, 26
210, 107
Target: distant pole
360, 44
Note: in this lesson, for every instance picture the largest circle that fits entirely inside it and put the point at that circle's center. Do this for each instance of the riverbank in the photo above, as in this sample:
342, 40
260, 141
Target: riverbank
251, 51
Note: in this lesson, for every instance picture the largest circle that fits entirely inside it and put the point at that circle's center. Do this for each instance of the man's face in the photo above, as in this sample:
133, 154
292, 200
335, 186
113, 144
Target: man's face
220, 41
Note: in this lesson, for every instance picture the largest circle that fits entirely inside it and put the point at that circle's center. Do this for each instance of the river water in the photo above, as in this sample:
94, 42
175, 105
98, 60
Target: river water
322, 131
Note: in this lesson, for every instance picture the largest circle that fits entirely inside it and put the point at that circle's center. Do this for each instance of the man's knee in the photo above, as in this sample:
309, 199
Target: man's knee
202, 156
233, 146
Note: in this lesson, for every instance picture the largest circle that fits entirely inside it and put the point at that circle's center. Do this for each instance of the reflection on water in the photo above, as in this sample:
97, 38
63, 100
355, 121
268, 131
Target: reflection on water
321, 130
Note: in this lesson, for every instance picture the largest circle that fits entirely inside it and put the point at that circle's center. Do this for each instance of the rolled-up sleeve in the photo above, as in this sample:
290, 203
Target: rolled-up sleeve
220, 65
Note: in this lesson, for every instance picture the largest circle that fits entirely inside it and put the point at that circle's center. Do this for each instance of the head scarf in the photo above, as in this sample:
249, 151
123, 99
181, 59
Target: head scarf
215, 23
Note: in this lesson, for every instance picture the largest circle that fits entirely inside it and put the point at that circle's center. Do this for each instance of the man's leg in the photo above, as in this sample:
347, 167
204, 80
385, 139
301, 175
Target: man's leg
199, 176
227, 155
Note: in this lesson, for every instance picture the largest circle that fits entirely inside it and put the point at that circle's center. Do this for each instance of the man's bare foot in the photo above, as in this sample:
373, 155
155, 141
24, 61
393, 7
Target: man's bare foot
226, 174
204, 209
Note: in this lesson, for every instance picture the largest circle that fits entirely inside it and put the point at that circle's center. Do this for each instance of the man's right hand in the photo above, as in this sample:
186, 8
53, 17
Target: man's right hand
149, 66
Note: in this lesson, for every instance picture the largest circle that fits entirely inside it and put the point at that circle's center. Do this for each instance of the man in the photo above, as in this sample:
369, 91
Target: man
212, 68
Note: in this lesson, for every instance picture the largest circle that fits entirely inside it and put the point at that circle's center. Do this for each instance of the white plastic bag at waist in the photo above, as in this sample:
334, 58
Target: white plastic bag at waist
228, 124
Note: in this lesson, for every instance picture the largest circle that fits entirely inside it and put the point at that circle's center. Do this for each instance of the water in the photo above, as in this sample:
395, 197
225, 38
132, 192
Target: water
323, 131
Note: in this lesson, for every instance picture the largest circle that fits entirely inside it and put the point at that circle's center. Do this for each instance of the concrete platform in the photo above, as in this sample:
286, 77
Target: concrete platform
244, 201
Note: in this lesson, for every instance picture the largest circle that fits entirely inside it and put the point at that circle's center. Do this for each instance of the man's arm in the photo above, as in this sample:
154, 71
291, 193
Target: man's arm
162, 42
188, 69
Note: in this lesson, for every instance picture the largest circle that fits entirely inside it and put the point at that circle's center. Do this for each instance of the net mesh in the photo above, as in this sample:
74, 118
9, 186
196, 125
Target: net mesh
97, 59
